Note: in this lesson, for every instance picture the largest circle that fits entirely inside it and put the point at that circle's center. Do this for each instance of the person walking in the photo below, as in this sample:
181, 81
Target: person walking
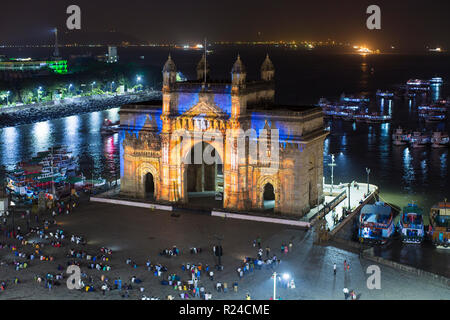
267, 252
211, 275
345, 265
259, 242
104, 287
346, 293
334, 268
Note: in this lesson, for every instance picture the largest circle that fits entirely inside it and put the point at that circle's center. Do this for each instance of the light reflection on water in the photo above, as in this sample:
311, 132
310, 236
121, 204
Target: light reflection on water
403, 173
80, 133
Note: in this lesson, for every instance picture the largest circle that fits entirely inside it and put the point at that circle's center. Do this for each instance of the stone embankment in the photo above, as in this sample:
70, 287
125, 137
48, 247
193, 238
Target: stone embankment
12, 116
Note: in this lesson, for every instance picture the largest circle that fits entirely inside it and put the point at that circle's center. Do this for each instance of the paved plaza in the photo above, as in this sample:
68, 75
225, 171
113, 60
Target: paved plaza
140, 234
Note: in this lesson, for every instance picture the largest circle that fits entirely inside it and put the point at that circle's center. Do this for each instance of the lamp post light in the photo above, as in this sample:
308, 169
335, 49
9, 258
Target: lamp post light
7, 97
332, 165
274, 286
39, 90
286, 277
92, 86
318, 195
138, 80
349, 187
368, 173
219, 252
112, 83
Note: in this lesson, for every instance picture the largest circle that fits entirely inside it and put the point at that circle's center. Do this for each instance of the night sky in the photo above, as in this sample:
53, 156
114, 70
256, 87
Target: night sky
405, 23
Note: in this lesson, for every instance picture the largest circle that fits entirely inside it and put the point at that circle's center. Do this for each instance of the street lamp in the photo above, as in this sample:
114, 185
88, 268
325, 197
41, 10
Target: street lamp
286, 277
332, 165
112, 83
92, 86
219, 251
7, 97
39, 93
349, 187
274, 285
368, 173
318, 195
138, 80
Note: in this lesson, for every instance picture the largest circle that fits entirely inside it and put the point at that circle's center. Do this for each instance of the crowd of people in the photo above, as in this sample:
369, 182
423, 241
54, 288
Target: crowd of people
43, 242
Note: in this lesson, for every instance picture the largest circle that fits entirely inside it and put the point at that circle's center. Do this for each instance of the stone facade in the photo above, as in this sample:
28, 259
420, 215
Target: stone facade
159, 137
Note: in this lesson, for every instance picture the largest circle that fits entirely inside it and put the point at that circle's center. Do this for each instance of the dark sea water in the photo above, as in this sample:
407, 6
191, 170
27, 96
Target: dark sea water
403, 174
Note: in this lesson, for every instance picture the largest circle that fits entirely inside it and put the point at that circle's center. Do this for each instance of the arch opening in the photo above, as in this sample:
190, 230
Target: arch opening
204, 182
269, 197
149, 186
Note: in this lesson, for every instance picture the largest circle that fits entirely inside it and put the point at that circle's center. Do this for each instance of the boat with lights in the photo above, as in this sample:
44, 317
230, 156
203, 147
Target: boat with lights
439, 229
411, 225
376, 223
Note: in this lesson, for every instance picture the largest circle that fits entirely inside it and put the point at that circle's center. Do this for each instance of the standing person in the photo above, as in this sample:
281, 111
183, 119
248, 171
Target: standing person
104, 287
267, 252
346, 294
211, 275
259, 242
334, 268
348, 266
345, 265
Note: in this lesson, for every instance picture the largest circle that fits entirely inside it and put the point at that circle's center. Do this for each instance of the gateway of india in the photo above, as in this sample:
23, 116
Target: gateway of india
153, 162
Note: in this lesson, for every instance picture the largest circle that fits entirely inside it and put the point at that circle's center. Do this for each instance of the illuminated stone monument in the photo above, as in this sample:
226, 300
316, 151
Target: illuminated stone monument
264, 155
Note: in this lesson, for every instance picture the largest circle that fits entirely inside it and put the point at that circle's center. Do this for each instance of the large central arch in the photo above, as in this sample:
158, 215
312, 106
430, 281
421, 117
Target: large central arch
201, 180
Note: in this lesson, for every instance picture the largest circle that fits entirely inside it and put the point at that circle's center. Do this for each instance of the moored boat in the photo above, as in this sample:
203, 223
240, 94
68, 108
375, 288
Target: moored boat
439, 229
385, 94
411, 226
440, 140
400, 137
419, 140
109, 127
376, 223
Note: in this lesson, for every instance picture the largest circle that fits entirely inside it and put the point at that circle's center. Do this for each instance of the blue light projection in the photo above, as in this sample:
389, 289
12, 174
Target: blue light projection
186, 101
224, 102
258, 121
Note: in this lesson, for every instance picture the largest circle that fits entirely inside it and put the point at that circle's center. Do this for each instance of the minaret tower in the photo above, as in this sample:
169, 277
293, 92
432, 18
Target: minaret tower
267, 70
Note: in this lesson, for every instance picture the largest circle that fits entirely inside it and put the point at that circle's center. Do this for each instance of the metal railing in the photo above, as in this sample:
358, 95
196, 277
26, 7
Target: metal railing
329, 206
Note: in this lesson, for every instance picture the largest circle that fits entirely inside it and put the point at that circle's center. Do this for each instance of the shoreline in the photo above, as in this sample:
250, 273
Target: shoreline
27, 114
